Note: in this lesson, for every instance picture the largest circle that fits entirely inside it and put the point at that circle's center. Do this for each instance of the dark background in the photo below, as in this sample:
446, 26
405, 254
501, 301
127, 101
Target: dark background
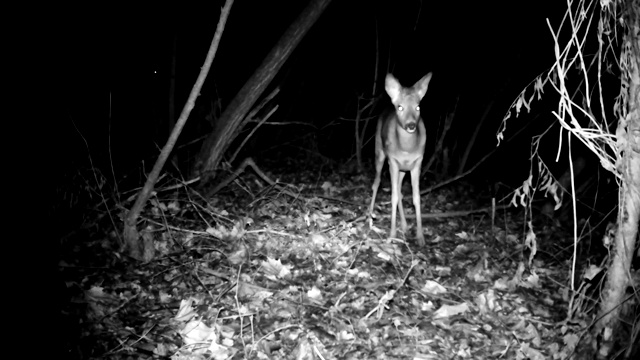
113, 63
108, 81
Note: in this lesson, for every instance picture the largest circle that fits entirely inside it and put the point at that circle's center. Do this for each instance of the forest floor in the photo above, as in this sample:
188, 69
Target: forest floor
296, 271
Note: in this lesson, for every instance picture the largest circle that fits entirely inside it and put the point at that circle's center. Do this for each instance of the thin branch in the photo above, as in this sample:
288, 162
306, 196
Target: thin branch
130, 232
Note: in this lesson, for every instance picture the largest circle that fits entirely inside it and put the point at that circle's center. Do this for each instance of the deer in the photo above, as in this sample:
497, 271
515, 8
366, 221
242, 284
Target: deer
401, 137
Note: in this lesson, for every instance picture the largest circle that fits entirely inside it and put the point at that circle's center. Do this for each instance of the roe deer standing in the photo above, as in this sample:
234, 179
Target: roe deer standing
401, 137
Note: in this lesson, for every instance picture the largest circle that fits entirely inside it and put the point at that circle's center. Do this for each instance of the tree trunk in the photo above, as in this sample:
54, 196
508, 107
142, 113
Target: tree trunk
229, 124
618, 277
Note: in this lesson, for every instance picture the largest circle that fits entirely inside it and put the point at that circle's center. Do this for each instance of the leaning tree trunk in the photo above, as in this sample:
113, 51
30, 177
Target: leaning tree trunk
228, 125
618, 277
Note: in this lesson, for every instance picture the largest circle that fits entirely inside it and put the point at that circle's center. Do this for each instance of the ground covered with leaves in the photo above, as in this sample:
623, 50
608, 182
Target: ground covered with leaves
296, 271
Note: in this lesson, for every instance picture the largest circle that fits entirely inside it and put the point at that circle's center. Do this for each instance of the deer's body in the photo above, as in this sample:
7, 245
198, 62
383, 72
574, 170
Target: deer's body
401, 137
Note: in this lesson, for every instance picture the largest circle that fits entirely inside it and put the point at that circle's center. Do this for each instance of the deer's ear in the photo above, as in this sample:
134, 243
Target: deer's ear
392, 86
422, 85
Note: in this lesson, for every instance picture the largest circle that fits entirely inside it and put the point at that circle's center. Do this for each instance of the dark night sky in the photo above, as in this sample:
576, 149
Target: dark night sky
104, 61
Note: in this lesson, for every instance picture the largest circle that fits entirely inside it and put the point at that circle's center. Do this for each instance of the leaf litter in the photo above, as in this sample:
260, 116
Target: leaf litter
253, 273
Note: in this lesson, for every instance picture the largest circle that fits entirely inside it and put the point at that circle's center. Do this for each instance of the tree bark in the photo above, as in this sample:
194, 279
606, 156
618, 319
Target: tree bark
229, 124
618, 277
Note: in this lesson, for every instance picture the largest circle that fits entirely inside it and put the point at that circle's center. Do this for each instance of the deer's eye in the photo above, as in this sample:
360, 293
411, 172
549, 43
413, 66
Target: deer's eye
418, 108
400, 108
